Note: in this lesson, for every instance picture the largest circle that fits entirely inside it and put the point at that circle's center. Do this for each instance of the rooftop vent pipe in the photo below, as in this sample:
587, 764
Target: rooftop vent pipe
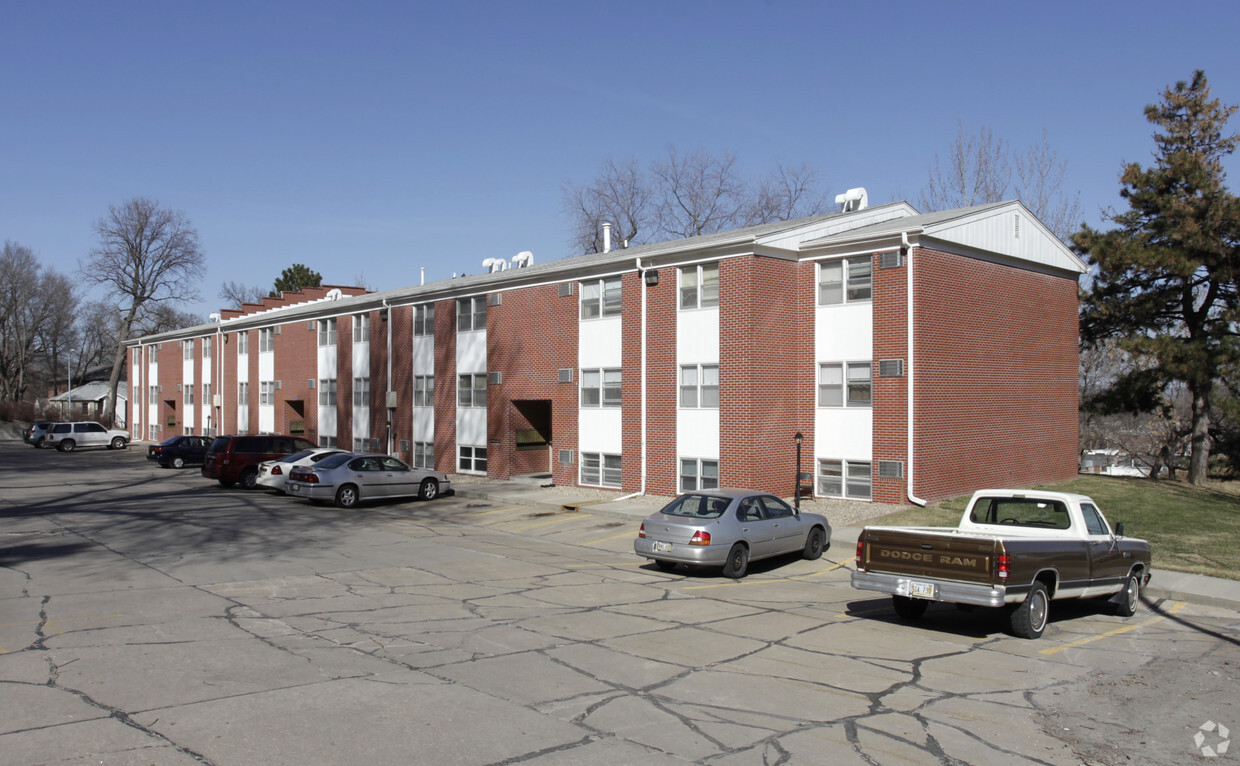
606, 238
522, 259
494, 264
853, 199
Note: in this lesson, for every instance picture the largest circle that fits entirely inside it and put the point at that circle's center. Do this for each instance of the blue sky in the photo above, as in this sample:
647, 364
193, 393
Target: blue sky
369, 140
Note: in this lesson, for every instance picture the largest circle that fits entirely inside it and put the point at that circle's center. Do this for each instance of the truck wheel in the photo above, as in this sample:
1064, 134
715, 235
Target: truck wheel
118, 442
909, 608
1125, 602
737, 563
66, 445
814, 544
1028, 620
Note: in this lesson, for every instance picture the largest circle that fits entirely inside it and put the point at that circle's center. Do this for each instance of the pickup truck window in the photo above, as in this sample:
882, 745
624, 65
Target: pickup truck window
1093, 520
1021, 512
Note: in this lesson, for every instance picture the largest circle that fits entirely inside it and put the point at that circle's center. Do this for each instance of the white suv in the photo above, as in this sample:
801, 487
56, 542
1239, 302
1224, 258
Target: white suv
67, 437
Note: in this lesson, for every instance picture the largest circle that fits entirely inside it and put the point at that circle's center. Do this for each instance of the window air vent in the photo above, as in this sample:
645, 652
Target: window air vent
311, 325
495, 299
1016, 227
891, 368
495, 378
404, 445
309, 382
566, 457
277, 332
566, 288
891, 469
891, 260
279, 384
566, 375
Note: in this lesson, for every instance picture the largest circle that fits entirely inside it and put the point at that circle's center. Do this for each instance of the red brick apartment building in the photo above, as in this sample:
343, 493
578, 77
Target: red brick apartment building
678, 365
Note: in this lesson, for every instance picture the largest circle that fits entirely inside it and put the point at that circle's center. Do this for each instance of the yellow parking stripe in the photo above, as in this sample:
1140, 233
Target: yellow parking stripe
764, 582
494, 510
559, 520
1177, 606
630, 533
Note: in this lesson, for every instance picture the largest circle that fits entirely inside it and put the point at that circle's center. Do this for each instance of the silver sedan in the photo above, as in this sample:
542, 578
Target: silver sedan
351, 478
729, 528
274, 473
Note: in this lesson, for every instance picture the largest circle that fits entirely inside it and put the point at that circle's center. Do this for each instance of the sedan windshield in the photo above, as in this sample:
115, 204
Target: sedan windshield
697, 506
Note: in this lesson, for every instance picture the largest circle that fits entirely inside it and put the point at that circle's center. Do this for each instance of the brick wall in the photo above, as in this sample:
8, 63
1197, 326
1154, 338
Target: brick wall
662, 383
296, 363
890, 412
445, 385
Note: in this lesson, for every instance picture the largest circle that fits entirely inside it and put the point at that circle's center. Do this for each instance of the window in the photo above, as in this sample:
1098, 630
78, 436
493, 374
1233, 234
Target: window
600, 470
266, 392
1093, 520
424, 319
154, 394
187, 350
266, 340
423, 454
154, 354
471, 390
361, 328
206, 347
471, 314
189, 393
845, 478
699, 385
243, 393
327, 441
327, 332
472, 459
153, 432
832, 388
699, 286
327, 392
845, 281
698, 474
423, 390
361, 392
601, 298
206, 394
243, 343
600, 388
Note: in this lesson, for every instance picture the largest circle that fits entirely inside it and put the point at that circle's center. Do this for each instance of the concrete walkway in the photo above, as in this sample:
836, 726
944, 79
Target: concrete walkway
1179, 586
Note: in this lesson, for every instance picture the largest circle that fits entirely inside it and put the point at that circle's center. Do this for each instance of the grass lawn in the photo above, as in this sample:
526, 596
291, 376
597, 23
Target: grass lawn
1190, 529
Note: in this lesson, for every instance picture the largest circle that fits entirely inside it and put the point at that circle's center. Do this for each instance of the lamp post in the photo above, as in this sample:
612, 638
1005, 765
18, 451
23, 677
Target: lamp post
796, 495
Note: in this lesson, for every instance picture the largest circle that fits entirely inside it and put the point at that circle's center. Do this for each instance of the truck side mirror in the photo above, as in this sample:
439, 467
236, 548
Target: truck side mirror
1119, 529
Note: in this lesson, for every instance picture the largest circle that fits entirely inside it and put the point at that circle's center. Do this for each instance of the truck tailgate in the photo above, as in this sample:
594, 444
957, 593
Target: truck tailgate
927, 554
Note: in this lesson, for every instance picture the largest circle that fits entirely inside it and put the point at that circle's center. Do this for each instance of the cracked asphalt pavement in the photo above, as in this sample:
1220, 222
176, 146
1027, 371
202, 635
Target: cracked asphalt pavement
148, 616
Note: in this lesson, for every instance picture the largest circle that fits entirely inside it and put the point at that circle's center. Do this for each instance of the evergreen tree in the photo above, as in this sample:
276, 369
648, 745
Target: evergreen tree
294, 278
1165, 281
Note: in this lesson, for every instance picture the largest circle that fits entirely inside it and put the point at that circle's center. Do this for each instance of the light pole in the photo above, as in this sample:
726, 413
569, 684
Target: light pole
796, 495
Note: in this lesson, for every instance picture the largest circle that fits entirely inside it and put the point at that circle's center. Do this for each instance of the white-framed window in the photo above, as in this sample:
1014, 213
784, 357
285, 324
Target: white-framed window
698, 474
243, 343
327, 392
243, 392
471, 459
327, 332
266, 340
600, 470
601, 298
424, 319
361, 392
154, 394
471, 390
327, 441
845, 281
845, 384
188, 391
600, 388
361, 444
266, 392
699, 286
187, 350
699, 385
361, 328
423, 390
188, 431
471, 313
423, 454
206, 347
153, 432
154, 354
206, 394
845, 478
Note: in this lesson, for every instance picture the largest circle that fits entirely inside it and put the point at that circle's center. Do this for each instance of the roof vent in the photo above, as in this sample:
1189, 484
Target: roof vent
853, 199
334, 294
494, 264
522, 259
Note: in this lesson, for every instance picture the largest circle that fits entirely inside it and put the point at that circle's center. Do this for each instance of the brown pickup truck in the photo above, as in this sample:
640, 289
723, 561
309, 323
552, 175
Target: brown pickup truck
1015, 549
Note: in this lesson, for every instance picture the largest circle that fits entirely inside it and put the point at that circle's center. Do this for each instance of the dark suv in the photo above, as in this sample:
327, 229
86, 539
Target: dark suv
232, 459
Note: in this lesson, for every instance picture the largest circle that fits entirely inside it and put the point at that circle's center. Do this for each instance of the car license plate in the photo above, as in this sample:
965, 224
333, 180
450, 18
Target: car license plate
294, 488
921, 589
662, 547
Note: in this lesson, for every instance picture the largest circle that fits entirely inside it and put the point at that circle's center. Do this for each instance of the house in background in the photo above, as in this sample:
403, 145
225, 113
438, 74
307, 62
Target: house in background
918, 356
89, 401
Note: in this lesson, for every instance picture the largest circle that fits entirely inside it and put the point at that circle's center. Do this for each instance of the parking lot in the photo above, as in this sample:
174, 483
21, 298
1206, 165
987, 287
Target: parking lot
148, 616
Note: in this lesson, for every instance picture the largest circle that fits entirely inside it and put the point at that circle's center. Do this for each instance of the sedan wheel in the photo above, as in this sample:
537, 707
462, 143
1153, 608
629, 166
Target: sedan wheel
346, 496
178, 462
738, 562
814, 544
429, 489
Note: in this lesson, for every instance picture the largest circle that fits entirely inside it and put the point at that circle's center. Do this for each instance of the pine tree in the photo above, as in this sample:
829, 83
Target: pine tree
1165, 281
294, 278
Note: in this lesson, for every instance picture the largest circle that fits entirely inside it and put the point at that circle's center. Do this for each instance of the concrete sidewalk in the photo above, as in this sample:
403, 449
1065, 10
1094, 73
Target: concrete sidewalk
1178, 586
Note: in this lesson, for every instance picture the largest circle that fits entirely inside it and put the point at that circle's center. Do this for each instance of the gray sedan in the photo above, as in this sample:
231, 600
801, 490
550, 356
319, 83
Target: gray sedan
729, 528
351, 478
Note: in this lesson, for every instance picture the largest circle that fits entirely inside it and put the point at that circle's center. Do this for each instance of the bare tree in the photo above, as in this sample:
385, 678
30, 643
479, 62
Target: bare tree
26, 309
59, 342
698, 193
784, 194
237, 295
146, 255
984, 168
620, 195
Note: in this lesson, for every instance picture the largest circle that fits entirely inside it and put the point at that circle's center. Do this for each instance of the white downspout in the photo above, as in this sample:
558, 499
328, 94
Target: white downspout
387, 311
641, 274
908, 266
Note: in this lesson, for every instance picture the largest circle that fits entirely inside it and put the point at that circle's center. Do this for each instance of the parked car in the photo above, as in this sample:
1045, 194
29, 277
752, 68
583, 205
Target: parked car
36, 433
232, 459
729, 528
67, 437
350, 478
274, 473
179, 451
